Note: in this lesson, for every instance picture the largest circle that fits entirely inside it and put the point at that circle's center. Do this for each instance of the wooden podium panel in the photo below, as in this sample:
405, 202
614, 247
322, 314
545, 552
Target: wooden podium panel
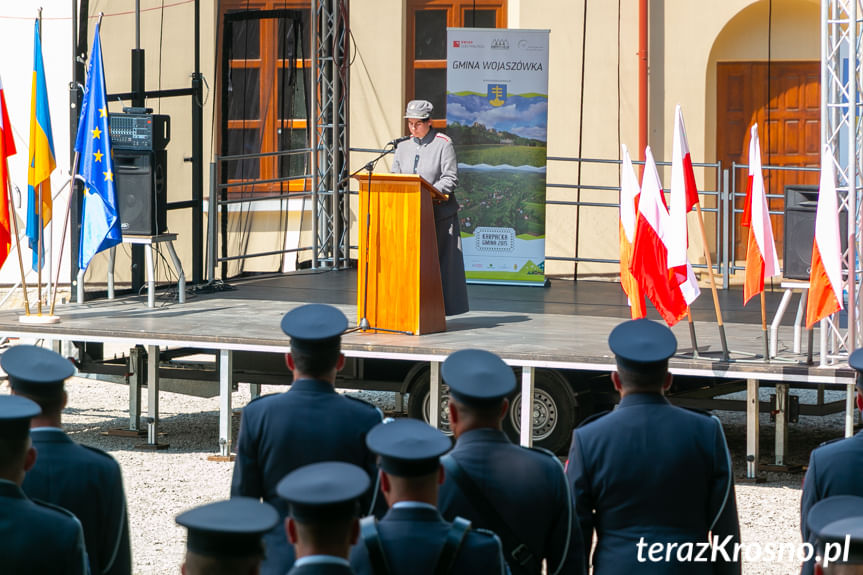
398, 253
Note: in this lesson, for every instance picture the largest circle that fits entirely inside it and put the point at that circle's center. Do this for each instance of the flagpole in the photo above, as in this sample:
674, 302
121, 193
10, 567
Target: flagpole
722, 339
692, 333
65, 226
39, 256
764, 327
39, 215
8, 187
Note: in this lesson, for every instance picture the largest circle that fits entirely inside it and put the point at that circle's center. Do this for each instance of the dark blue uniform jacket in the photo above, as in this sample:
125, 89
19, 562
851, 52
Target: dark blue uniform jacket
835, 468
526, 487
87, 482
38, 539
658, 472
412, 538
309, 423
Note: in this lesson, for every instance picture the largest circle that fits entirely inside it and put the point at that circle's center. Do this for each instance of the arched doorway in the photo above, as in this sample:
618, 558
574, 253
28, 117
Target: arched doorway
779, 89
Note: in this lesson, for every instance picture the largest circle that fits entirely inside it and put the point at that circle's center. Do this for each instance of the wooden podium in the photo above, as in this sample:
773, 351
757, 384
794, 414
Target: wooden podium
404, 285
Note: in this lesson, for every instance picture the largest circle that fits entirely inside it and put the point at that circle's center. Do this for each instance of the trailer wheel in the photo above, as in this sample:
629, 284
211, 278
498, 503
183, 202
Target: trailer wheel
555, 409
554, 412
419, 398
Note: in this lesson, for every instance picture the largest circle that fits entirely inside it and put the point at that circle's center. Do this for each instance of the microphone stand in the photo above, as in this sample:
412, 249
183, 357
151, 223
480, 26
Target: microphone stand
369, 168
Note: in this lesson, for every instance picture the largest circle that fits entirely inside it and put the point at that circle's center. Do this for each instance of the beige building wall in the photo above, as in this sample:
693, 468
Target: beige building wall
686, 41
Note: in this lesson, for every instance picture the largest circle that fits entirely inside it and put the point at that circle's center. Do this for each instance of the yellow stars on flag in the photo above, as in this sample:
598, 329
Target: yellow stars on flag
103, 112
86, 190
109, 176
96, 133
98, 156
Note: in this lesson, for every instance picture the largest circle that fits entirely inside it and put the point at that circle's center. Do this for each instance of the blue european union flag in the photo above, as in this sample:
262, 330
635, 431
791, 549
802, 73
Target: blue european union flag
100, 222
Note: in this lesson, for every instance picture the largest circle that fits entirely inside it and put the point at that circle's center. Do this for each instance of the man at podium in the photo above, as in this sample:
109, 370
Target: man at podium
430, 154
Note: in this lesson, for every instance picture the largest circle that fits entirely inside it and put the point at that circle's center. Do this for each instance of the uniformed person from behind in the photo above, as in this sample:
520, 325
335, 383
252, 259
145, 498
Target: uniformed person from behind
649, 472
413, 538
835, 468
309, 423
431, 154
837, 526
520, 494
224, 538
324, 507
36, 538
85, 480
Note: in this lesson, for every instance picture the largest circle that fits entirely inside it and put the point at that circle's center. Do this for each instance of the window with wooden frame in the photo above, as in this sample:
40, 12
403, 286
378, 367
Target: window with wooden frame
264, 109
427, 21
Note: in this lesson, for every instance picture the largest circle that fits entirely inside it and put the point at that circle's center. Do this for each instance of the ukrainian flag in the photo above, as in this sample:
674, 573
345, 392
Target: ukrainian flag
41, 152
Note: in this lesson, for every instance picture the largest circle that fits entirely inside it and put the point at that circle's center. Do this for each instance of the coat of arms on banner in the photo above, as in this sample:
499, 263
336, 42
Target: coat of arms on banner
497, 94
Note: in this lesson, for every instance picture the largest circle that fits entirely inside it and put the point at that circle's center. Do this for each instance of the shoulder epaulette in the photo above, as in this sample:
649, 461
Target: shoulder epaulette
364, 402
697, 410
254, 399
443, 136
592, 418
97, 450
542, 450
485, 532
57, 508
829, 441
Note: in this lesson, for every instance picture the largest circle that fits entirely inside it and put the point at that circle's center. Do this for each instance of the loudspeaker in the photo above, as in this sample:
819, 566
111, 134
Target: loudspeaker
801, 203
140, 178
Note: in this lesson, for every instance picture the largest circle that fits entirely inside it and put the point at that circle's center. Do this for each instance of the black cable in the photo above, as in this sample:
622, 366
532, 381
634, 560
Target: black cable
769, 77
618, 83
161, 31
580, 137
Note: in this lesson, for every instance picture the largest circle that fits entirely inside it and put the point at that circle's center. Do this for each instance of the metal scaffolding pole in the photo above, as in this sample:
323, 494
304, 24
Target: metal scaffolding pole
841, 130
329, 140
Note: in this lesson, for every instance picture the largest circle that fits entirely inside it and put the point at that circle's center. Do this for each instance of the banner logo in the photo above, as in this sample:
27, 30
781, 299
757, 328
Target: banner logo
497, 94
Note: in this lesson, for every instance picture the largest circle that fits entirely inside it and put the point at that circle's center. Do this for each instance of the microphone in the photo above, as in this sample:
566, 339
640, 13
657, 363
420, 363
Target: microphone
398, 141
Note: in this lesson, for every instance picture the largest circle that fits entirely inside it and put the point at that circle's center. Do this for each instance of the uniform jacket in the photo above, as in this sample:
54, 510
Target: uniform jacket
321, 565
528, 489
433, 158
412, 538
835, 468
87, 482
37, 538
279, 433
654, 471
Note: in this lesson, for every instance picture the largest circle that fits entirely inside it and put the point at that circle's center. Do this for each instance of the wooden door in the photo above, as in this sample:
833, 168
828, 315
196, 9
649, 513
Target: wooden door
789, 129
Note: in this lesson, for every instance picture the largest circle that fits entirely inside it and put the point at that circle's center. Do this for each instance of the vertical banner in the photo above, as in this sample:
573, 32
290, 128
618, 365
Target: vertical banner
497, 117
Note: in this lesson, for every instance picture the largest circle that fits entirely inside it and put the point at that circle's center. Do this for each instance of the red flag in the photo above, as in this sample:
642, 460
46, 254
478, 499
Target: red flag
761, 258
628, 205
650, 252
681, 162
7, 148
684, 195
825, 278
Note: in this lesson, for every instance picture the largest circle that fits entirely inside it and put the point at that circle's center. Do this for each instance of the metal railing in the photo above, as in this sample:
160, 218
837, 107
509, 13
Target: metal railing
614, 203
731, 243
219, 200
722, 208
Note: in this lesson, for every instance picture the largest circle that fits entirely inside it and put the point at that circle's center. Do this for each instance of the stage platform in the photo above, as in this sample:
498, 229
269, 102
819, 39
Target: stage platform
564, 325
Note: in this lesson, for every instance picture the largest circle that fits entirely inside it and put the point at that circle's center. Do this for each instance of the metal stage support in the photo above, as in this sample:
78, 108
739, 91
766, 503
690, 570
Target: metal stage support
841, 130
329, 137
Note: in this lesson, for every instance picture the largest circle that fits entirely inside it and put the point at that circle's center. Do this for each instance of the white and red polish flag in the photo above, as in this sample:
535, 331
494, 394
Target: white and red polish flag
684, 195
7, 148
650, 251
825, 277
628, 206
761, 258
